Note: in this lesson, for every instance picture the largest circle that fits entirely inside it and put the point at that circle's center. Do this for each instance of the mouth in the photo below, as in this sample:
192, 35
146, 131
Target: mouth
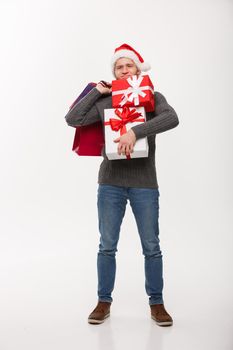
125, 76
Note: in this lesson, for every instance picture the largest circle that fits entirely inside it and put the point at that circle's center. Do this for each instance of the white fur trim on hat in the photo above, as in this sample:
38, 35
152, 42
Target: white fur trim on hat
142, 66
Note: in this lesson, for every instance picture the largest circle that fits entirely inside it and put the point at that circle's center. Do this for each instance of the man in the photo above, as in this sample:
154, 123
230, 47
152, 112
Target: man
128, 179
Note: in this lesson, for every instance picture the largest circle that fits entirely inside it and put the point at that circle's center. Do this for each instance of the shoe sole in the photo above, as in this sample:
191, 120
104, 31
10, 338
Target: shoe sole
165, 323
94, 321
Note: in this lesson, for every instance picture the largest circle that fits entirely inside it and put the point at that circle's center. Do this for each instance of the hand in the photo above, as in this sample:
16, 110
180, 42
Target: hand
104, 88
126, 143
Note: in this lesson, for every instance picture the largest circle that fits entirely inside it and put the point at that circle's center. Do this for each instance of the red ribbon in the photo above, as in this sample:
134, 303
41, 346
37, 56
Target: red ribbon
126, 116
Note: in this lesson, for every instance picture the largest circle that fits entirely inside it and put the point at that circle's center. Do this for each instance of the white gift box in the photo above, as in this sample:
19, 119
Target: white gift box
118, 121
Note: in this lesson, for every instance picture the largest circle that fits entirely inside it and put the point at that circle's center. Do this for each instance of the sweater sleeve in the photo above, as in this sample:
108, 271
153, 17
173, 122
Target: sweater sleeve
84, 112
165, 118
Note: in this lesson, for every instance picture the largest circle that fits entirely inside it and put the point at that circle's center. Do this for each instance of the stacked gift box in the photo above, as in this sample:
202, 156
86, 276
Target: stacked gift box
131, 99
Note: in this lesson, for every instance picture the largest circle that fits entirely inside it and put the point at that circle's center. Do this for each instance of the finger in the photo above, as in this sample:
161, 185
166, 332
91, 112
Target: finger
131, 148
117, 140
127, 151
103, 82
121, 149
124, 150
106, 84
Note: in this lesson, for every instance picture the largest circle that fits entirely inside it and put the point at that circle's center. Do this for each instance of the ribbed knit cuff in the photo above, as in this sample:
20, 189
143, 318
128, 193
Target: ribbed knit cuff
136, 132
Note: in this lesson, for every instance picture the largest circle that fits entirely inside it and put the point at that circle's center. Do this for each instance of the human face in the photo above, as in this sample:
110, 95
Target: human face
125, 68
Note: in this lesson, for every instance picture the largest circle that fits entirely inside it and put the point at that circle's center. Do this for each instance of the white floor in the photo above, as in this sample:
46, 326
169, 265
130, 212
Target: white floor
58, 327
45, 304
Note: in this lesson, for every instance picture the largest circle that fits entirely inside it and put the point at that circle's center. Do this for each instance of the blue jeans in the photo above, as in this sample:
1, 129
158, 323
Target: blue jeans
111, 204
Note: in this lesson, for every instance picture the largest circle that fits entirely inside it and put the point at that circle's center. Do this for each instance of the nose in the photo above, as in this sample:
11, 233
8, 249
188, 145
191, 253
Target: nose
125, 70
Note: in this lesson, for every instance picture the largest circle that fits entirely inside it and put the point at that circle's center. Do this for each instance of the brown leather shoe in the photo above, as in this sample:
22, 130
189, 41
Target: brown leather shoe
100, 313
160, 315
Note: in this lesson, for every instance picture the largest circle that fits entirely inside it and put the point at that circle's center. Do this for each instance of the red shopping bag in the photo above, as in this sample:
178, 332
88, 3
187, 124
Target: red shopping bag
88, 139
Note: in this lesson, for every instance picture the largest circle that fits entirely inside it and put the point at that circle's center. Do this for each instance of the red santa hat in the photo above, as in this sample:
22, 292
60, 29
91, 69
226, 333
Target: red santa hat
127, 51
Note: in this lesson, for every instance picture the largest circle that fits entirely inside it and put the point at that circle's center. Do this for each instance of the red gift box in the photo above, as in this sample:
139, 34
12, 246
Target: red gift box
134, 91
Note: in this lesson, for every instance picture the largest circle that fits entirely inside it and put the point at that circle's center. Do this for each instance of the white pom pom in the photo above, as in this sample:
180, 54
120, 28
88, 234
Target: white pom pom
145, 66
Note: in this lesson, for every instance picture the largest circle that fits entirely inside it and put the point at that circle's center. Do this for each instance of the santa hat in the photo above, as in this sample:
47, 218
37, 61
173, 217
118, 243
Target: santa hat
128, 52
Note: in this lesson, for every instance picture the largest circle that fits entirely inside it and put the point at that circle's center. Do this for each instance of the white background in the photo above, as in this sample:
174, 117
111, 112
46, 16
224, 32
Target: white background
49, 232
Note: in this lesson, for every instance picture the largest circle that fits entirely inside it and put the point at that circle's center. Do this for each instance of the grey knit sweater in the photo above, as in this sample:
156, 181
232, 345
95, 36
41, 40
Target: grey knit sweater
135, 172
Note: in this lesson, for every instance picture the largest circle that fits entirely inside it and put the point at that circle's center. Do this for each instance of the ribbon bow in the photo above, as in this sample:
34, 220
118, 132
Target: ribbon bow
125, 117
134, 91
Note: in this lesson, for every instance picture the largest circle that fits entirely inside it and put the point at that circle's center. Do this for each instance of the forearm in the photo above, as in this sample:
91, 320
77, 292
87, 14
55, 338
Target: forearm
84, 112
165, 119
